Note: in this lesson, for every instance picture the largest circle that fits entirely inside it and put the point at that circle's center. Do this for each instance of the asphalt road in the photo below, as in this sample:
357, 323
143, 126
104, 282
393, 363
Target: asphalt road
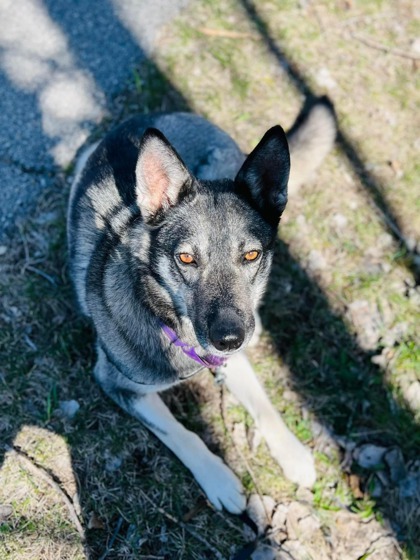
60, 64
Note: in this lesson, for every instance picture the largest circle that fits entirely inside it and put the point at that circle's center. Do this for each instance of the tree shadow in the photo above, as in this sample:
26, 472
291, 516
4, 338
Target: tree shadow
375, 194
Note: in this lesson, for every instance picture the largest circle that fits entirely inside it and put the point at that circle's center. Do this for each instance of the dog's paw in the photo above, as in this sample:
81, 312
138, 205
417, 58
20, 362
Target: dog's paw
295, 459
222, 487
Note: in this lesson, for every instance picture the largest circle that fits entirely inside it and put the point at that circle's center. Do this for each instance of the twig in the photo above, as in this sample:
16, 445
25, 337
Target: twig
112, 540
47, 277
42, 473
380, 47
244, 459
226, 520
364, 18
30, 343
25, 244
227, 34
203, 541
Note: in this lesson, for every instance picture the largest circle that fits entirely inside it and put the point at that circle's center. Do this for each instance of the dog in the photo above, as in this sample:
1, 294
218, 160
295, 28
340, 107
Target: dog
171, 231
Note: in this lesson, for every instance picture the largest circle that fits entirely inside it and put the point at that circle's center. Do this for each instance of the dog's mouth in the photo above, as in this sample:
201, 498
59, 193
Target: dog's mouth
210, 349
223, 337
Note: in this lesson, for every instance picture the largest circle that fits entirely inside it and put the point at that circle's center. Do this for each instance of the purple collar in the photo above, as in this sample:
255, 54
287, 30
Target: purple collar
209, 361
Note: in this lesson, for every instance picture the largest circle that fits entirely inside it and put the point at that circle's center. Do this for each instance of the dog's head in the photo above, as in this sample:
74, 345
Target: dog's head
209, 248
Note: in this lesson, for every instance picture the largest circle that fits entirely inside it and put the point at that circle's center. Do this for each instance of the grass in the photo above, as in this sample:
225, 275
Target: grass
309, 357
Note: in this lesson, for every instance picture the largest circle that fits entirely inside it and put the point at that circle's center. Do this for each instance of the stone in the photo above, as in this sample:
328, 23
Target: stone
264, 552
324, 79
69, 409
339, 221
239, 434
412, 396
410, 486
112, 462
395, 462
296, 516
369, 456
6, 511
260, 510
367, 322
278, 524
316, 261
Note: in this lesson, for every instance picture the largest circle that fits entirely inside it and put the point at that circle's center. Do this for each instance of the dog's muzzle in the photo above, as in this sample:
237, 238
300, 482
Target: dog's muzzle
227, 331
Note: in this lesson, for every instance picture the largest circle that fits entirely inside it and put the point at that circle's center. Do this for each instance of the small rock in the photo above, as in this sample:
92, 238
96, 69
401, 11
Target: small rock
415, 46
380, 360
69, 409
316, 261
264, 552
278, 523
384, 549
395, 462
294, 550
385, 240
5, 512
301, 222
367, 322
304, 495
296, 514
260, 510
369, 456
395, 334
324, 79
339, 221
289, 395
350, 538
412, 396
3, 250
410, 486
113, 463
411, 243
239, 434
254, 438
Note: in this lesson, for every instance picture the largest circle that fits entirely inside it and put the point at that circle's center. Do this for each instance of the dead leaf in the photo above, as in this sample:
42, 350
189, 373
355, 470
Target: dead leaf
95, 522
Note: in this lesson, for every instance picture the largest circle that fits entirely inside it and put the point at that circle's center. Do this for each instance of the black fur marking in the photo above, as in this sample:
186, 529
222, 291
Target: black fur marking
262, 179
95, 279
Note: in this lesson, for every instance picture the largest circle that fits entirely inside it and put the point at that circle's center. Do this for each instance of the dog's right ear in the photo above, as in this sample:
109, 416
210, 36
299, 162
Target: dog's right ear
162, 179
264, 174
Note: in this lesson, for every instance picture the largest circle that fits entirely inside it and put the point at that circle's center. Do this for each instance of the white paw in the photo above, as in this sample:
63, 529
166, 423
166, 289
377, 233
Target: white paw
221, 486
295, 459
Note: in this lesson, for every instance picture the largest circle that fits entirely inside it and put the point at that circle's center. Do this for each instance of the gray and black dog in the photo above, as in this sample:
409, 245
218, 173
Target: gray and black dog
171, 232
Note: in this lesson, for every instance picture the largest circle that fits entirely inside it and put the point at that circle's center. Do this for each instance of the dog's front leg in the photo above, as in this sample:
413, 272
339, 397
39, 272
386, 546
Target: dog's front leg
221, 486
294, 458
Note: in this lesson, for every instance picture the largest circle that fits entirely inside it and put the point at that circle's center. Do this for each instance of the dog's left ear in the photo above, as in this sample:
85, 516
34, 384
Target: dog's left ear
162, 179
264, 175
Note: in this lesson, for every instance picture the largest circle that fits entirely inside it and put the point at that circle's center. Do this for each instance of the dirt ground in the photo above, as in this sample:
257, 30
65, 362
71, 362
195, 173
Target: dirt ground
340, 351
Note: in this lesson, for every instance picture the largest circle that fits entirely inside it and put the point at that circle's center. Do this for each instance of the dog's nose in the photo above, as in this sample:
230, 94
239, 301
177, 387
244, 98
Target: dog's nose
227, 332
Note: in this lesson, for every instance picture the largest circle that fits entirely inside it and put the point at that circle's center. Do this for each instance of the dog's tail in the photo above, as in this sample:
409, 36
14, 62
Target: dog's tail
310, 139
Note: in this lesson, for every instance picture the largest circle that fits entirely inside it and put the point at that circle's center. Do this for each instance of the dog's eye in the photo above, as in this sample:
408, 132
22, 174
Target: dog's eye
186, 258
251, 255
